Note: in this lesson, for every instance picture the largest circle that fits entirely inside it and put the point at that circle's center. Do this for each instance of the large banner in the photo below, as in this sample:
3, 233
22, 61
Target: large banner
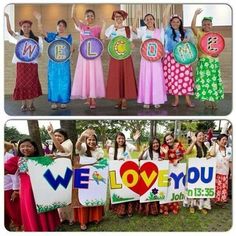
153, 181
177, 178
124, 178
51, 181
201, 178
91, 182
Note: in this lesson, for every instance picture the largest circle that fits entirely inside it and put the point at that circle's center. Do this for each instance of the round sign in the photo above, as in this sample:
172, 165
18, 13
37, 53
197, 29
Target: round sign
152, 50
212, 44
59, 51
185, 53
119, 47
91, 48
27, 50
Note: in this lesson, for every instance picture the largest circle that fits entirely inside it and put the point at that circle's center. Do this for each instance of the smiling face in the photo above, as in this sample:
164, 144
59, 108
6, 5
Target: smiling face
149, 21
206, 25
27, 149
59, 137
200, 137
26, 27
155, 145
89, 17
61, 28
169, 140
223, 142
120, 140
118, 18
91, 142
175, 23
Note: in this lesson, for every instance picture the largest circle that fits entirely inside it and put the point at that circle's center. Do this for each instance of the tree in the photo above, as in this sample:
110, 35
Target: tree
34, 133
12, 134
44, 134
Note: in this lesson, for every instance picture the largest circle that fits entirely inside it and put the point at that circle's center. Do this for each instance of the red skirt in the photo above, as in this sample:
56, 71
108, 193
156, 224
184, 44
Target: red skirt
222, 187
121, 82
27, 82
85, 215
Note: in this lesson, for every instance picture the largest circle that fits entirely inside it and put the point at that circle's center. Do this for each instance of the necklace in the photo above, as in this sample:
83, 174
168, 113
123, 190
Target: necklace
223, 153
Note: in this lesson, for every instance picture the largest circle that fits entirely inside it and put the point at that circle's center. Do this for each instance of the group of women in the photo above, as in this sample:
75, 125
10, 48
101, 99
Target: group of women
87, 145
156, 79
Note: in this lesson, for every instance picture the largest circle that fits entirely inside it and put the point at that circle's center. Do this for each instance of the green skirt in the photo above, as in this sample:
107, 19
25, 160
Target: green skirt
208, 83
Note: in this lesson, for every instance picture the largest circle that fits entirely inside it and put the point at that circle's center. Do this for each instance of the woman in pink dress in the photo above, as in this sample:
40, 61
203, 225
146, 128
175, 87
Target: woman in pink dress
88, 79
32, 221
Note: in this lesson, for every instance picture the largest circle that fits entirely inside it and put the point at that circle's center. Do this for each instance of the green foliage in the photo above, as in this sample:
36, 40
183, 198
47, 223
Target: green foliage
44, 134
11, 133
95, 202
53, 206
116, 198
102, 163
43, 160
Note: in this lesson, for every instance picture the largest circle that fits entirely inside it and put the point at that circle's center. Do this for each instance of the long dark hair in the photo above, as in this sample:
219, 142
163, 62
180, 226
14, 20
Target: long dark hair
150, 147
172, 135
116, 144
36, 149
88, 152
62, 132
152, 17
200, 148
181, 29
31, 35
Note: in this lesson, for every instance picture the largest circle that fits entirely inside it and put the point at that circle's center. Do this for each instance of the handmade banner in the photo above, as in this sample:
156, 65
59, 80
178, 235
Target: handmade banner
177, 177
185, 53
201, 178
119, 47
91, 48
153, 181
152, 50
27, 50
51, 181
212, 43
59, 51
91, 182
124, 178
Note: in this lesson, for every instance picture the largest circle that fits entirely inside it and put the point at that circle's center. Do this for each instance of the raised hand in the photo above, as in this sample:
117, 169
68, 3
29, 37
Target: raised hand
137, 135
37, 15
198, 11
164, 149
50, 129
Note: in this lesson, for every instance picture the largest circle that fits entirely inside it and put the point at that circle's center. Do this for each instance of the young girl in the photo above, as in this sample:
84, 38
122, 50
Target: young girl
151, 79
121, 83
198, 149
62, 146
173, 151
208, 83
32, 221
86, 145
27, 85
151, 153
88, 80
223, 154
178, 78
59, 74
121, 151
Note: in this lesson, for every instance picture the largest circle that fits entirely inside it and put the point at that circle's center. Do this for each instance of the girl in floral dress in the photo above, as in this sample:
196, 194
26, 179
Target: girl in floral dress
208, 83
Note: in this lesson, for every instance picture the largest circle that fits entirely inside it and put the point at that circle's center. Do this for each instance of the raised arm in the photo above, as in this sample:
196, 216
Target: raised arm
102, 34
9, 29
193, 24
166, 15
73, 16
190, 148
38, 17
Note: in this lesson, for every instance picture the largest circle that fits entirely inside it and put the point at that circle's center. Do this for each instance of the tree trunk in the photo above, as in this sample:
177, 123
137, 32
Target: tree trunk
34, 133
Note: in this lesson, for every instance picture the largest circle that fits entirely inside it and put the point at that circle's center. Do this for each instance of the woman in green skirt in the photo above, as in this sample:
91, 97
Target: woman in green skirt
208, 83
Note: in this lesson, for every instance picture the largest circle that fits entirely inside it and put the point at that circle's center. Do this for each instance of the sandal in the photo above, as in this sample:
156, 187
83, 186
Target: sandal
204, 211
83, 227
192, 210
117, 106
146, 106
31, 108
63, 106
23, 108
54, 106
157, 106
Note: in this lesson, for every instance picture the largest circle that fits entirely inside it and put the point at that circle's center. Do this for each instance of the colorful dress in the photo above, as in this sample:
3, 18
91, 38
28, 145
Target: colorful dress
128, 208
174, 154
222, 173
32, 221
95, 214
151, 88
27, 80
88, 79
208, 82
178, 78
121, 82
59, 74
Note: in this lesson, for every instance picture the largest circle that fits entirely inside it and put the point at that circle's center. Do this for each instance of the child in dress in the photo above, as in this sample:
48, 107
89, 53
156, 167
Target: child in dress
178, 78
151, 89
59, 74
27, 85
88, 79
121, 82
32, 221
208, 83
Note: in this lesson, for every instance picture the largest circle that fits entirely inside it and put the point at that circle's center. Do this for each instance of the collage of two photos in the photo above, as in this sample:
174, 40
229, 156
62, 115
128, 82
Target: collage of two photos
70, 69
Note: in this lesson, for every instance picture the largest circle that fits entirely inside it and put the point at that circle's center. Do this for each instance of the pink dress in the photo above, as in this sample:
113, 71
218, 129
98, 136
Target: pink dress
151, 88
32, 221
88, 79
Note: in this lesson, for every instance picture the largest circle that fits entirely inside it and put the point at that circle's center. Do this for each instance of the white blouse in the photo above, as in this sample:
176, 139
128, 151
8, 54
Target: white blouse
121, 154
98, 153
144, 33
146, 156
68, 147
111, 32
